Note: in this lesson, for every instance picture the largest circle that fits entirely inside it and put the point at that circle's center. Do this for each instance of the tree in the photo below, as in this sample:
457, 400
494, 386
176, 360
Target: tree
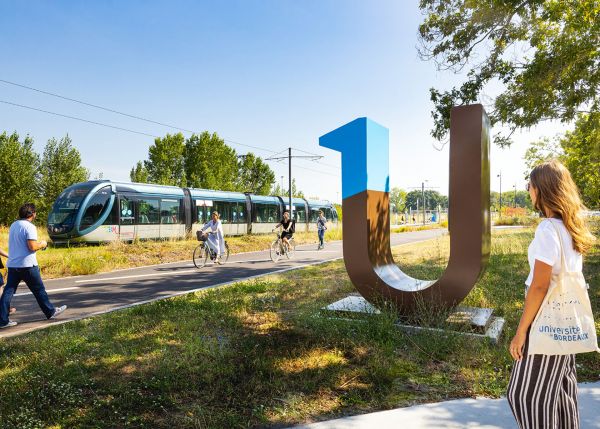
544, 53
139, 173
296, 193
579, 150
209, 163
165, 161
60, 168
19, 167
398, 198
433, 199
582, 157
254, 175
540, 151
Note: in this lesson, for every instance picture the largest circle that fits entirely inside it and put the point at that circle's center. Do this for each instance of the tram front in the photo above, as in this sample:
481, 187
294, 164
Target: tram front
79, 210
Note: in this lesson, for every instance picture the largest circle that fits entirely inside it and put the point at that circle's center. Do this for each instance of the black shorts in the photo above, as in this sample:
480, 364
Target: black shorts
287, 235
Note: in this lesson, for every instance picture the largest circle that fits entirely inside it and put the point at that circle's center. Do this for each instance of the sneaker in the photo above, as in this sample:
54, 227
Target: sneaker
8, 325
58, 310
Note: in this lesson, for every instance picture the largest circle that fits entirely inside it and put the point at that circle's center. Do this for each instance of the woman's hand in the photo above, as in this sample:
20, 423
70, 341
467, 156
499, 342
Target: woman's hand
516, 345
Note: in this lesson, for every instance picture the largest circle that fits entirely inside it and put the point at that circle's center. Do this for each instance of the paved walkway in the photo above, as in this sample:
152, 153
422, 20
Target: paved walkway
96, 294
481, 413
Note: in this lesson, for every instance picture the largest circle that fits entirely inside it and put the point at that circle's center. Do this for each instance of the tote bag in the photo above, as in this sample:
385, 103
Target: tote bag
564, 323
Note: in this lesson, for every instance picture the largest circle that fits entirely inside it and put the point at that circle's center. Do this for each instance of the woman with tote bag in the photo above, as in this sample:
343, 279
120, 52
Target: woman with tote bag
557, 319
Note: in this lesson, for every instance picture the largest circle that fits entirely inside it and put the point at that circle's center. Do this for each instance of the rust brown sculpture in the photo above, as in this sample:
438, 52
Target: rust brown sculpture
364, 145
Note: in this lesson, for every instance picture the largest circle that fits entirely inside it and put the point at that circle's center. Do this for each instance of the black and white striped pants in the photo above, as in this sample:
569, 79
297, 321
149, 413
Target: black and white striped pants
542, 392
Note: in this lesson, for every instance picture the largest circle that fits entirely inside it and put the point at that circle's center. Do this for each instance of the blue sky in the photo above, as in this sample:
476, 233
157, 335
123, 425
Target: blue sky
268, 73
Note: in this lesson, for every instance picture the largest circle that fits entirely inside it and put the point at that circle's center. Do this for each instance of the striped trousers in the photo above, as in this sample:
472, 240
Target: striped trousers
542, 392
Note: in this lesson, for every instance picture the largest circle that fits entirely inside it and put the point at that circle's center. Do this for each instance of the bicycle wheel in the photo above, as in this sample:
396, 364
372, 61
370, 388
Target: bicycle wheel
200, 256
275, 251
225, 256
291, 248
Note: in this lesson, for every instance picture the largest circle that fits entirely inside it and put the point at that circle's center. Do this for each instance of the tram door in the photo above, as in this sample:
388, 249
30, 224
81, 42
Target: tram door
126, 219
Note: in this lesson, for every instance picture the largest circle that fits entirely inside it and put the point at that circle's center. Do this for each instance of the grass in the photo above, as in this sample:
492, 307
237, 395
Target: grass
517, 220
410, 228
79, 260
257, 354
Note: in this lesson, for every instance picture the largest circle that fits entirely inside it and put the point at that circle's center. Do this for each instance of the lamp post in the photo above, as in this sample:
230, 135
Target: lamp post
500, 176
515, 186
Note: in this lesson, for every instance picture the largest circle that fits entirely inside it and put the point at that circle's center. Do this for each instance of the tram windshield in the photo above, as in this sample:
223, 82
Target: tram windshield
66, 206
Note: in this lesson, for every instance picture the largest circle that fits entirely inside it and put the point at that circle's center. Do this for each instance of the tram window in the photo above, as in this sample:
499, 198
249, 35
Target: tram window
113, 217
224, 210
169, 211
314, 215
300, 213
241, 213
95, 207
266, 213
202, 214
147, 212
327, 213
126, 211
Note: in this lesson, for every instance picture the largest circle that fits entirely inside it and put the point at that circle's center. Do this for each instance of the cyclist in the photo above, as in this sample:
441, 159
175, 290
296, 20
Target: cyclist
289, 226
214, 235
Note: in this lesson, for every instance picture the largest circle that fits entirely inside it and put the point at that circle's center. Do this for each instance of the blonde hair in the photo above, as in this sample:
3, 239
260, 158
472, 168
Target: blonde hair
556, 191
216, 213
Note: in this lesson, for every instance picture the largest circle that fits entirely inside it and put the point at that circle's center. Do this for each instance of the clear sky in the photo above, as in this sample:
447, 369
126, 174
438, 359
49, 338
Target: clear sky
266, 73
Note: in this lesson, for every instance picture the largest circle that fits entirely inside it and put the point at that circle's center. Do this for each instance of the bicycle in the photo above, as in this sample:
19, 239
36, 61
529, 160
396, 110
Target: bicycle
203, 251
278, 248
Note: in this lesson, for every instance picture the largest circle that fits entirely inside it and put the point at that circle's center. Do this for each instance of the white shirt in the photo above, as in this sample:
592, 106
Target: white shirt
545, 247
20, 232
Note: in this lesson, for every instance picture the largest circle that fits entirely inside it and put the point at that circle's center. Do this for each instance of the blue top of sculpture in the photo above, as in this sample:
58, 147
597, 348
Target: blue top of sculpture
365, 167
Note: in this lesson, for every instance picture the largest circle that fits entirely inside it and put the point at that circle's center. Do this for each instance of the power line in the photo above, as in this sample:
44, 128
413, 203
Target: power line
116, 127
316, 161
78, 119
107, 109
94, 105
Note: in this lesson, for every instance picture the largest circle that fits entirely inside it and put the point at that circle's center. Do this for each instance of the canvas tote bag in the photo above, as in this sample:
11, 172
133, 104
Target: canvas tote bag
564, 323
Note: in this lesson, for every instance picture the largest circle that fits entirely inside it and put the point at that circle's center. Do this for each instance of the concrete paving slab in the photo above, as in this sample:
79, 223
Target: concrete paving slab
480, 413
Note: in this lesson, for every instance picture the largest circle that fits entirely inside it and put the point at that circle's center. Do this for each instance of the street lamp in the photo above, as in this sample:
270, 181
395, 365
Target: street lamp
515, 186
500, 176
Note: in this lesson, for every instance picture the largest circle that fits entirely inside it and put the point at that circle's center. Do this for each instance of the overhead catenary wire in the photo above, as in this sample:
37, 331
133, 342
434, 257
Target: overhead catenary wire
78, 119
129, 115
137, 117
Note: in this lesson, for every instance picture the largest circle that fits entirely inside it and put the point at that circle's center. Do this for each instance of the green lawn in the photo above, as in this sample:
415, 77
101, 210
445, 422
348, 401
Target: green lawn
258, 354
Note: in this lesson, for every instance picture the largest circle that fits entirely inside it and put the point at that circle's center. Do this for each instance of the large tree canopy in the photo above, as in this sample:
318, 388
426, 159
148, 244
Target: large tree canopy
544, 53
60, 168
19, 175
579, 150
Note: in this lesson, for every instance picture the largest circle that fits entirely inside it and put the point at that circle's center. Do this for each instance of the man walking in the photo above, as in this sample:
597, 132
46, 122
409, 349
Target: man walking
22, 266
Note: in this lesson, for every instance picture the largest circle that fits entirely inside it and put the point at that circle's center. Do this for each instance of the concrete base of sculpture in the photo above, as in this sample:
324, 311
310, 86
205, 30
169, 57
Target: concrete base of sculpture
470, 321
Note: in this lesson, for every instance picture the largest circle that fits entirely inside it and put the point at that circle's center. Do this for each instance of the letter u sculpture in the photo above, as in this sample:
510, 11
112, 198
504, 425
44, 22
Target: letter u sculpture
364, 146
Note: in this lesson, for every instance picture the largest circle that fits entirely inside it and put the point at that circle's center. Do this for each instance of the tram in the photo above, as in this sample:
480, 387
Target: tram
100, 211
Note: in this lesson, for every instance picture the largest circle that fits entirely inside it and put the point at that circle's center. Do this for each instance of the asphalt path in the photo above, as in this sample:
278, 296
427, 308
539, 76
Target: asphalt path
88, 296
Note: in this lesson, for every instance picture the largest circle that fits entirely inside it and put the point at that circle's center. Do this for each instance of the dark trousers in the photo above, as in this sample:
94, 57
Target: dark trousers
321, 236
33, 279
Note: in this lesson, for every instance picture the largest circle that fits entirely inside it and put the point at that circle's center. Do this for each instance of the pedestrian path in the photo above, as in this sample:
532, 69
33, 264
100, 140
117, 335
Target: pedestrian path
480, 413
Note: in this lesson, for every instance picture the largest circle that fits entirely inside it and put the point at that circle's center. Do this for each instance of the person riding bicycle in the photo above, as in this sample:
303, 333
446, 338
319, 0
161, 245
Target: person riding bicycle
288, 228
214, 235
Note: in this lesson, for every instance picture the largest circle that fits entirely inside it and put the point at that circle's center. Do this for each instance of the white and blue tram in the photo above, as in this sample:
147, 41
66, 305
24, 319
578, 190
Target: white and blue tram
102, 210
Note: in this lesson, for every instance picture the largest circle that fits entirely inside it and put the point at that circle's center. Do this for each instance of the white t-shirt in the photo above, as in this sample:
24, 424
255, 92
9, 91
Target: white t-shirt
20, 232
545, 247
